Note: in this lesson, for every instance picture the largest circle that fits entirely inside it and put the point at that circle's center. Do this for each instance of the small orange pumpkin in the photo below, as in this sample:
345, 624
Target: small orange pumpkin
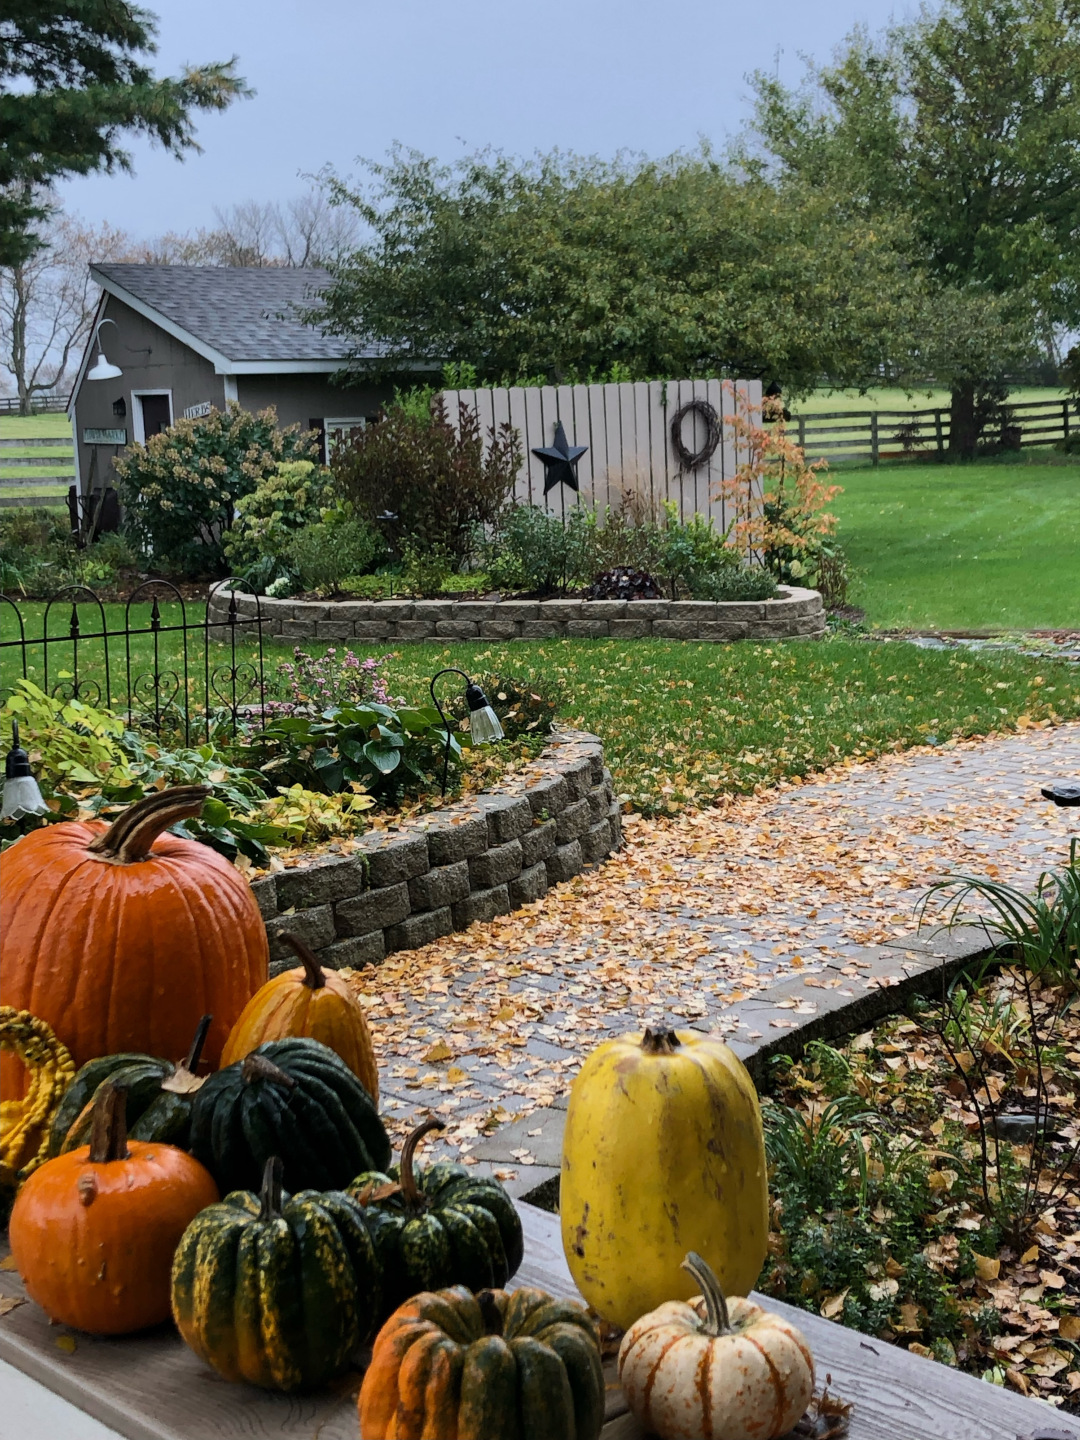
715, 1369
308, 1002
121, 937
94, 1231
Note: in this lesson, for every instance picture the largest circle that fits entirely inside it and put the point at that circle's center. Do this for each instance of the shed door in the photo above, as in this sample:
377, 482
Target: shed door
156, 414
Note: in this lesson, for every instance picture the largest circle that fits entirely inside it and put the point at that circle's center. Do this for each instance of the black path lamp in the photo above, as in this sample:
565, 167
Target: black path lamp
484, 724
21, 793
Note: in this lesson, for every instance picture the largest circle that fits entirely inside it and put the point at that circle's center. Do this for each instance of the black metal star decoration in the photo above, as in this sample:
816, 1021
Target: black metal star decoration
559, 460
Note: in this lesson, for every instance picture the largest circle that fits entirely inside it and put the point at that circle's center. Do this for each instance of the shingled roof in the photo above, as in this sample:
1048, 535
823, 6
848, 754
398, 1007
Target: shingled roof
243, 315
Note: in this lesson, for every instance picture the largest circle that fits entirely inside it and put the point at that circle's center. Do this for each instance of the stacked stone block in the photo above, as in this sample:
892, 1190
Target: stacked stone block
797, 614
482, 857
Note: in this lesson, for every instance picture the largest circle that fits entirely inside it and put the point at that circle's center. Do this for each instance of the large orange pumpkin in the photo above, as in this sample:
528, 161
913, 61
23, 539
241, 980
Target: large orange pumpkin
307, 1001
121, 937
94, 1231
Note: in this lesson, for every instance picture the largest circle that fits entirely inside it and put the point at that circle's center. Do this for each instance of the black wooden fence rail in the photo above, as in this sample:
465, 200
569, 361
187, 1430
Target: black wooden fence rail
889, 434
200, 680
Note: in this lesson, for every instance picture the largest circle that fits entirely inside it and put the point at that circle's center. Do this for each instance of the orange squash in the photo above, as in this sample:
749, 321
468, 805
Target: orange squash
121, 937
308, 1001
94, 1231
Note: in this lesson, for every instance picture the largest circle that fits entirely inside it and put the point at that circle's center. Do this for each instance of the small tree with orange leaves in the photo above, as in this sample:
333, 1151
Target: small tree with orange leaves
778, 498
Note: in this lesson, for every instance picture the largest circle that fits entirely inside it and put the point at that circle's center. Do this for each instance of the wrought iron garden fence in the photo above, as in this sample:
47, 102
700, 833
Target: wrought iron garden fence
154, 663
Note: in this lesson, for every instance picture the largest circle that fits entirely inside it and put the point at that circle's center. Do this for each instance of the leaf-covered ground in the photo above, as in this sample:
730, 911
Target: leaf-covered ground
698, 912
881, 1217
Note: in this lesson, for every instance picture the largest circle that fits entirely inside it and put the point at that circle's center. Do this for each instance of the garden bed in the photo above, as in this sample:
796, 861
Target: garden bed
796, 614
488, 854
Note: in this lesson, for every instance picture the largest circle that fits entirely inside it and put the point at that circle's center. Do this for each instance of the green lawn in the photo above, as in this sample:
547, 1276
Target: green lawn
38, 427
688, 722
827, 401
987, 546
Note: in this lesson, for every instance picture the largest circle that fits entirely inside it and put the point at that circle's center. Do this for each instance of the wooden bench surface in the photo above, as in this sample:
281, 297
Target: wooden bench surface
151, 1387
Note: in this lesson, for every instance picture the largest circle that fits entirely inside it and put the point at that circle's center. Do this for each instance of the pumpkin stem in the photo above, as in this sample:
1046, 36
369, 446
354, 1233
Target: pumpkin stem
258, 1067
108, 1138
409, 1187
195, 1053
131, 838
489, 1310
660, 1042
717, 1321
270, 1195
314, 978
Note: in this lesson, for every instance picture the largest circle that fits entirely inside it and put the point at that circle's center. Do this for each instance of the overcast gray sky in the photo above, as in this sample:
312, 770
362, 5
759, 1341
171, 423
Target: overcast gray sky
342, 78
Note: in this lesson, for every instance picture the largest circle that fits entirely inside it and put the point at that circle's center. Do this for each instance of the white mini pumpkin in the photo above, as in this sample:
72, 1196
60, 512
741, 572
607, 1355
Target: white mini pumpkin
715, 1369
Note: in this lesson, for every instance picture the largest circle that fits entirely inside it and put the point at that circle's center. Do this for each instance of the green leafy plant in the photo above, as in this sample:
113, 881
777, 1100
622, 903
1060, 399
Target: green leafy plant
274, 513
69, 741
323, 555
181, 489
541, 553
1040, 929
379, 749
733, 582
425, 569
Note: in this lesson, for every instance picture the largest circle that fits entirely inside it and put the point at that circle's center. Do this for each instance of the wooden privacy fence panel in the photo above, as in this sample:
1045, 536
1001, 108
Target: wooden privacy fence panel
890, 434
627, 428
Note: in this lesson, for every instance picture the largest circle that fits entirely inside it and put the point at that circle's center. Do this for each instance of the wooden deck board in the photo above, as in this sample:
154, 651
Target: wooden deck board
151, 1387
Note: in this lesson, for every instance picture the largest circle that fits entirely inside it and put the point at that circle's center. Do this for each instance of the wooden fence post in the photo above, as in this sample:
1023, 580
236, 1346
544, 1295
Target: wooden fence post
874, 437
802, 431
940, 433
1065, 420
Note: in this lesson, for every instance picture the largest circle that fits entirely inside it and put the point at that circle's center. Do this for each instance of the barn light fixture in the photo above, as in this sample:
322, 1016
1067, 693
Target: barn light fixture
119, 408
21, 793
484, 724
102, 370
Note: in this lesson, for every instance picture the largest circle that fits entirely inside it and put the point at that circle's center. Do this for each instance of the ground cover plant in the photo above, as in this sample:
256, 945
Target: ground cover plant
913, 1201
993, 545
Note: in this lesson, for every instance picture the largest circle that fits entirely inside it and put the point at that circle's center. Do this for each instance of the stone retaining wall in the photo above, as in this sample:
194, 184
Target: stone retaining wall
438, 872
797, 614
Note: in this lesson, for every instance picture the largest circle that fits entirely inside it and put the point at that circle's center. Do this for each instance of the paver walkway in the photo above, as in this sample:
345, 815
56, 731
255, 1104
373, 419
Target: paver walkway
736, 919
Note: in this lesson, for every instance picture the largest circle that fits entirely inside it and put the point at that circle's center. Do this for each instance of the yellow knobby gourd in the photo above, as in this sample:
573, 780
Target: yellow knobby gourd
24, 1123
663, 1153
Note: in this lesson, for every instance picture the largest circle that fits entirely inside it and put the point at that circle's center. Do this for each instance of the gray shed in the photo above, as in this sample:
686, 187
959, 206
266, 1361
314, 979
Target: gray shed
190, 337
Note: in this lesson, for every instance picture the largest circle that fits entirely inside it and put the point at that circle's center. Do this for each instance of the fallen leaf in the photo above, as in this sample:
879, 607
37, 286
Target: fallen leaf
1069, 1327
986, 1268
1029, 1255
8, 1263
65, 1343
1017, 1381
1052, 1279
9, 1303
439, 1051
833, 1305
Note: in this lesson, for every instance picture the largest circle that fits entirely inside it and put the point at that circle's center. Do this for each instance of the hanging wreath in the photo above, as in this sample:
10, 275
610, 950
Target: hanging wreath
691, 459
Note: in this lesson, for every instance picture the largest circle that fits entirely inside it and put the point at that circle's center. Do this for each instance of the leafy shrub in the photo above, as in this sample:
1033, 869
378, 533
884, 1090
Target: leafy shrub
38, 553
734, 582
540, 553
271, 516
180, 490
324, 555
440, 481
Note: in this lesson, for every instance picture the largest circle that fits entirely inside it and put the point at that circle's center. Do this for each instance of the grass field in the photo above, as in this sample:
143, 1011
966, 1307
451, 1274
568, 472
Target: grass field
35, 427
684, 722
826, 401
986, 546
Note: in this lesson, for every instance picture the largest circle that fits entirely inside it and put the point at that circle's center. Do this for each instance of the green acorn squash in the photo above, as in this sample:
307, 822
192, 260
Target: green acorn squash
274, 1290
295, 1098
438, 1227
159, 1097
